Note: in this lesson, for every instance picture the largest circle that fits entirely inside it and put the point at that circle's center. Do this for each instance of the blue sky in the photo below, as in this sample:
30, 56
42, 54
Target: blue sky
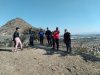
78, 16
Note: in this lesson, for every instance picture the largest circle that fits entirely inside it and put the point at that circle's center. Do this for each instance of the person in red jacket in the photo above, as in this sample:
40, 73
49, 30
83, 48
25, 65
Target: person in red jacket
56, 38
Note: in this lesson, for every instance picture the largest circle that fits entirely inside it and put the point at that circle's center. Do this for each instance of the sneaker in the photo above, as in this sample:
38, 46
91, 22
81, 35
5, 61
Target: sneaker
21, 49
52, 48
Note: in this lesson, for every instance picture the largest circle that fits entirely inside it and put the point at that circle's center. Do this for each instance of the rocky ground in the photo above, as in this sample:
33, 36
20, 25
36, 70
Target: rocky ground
45, 61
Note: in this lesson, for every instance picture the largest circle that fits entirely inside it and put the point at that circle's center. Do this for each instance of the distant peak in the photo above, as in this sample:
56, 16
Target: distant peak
18, 18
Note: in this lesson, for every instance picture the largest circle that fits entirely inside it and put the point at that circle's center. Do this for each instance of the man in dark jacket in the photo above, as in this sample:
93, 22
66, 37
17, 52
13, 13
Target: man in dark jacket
67, 40
31, 37
48, 34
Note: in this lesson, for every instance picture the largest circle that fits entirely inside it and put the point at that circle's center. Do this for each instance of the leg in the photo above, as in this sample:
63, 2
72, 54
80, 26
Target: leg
20, 43
40, 40
67, 47
57, 43
17, 43
30, 41
14, 43
53, 44
70, 48
48, 40
43, 41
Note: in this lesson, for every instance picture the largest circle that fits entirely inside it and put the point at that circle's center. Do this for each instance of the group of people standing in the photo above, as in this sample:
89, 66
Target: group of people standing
52, 38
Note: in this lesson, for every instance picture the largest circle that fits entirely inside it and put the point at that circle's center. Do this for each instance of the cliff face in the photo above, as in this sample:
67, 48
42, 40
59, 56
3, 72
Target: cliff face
7, 30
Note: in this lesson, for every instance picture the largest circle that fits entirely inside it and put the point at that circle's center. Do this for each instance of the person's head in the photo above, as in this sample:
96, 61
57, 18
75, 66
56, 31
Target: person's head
47, 28
56, 28
65, 30
41, 29
17, 28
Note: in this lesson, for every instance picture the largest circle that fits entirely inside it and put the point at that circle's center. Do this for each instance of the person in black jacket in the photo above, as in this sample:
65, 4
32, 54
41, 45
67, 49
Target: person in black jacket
16, 39
67, 40
31, 37
16, 34
48, 34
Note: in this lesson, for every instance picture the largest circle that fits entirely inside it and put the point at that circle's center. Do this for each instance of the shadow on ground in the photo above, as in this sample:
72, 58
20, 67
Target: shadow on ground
89, 57
86, 57
50, 51
6, 49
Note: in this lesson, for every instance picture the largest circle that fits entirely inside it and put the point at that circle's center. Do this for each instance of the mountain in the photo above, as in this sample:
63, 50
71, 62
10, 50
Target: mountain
7, 30
10, 26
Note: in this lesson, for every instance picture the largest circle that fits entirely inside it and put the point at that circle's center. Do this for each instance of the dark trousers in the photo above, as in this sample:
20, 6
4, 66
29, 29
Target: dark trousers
53, 43
68, 47
49, 40
41, 40
31, 41
56, 41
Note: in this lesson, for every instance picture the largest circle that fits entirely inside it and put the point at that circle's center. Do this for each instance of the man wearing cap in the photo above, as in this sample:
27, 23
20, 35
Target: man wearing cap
31, 37
48, 34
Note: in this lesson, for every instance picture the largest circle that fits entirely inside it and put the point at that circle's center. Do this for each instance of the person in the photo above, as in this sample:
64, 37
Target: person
41, 36
56, 38
48, 34
16, 39
67, 40
31, 37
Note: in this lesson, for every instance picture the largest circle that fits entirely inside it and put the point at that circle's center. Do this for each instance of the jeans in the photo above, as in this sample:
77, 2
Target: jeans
41, 40
49, 40
56, 41
68, 47
31, 41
